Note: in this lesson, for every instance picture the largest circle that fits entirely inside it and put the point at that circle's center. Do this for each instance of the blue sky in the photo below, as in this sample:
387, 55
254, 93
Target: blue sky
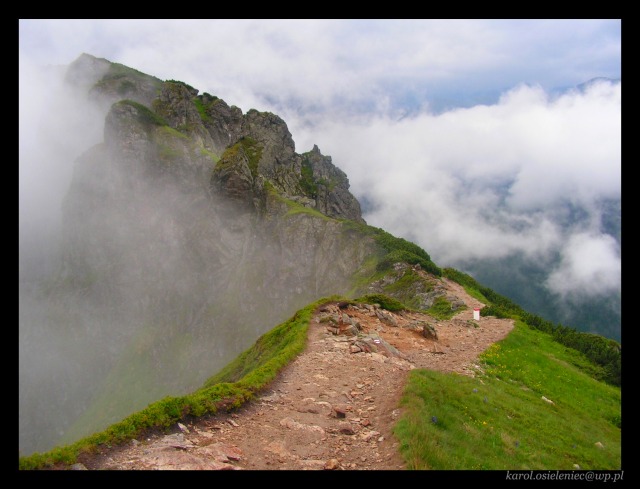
462, 135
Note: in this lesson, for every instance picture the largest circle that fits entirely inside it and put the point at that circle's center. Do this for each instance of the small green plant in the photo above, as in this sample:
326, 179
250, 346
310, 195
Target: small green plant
386, 302
178, 82
145, 114
441, 309
307, 181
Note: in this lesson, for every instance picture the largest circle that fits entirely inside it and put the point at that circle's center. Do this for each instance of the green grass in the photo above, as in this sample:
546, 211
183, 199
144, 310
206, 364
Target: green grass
251, 148
170, 132
203, 103
123, 79
398, 249
384, 301
604, 354
441, 309
178, 82
498, 420
470, 285
210, 154
145, 114
295, 208
202, 110
237, 383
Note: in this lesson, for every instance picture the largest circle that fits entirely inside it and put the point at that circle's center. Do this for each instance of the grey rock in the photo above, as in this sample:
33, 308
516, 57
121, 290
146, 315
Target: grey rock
429, 331
330, 187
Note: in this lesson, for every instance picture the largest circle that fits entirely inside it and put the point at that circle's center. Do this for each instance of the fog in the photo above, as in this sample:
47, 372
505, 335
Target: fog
55, 126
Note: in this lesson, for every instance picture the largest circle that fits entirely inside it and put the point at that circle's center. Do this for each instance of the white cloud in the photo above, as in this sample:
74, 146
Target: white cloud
590, 266
319, 62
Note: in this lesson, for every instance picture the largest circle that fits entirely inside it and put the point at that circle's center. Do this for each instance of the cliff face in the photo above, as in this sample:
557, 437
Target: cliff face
188, 232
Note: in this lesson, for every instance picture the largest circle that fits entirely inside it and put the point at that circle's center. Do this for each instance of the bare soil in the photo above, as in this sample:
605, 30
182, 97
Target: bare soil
329, 409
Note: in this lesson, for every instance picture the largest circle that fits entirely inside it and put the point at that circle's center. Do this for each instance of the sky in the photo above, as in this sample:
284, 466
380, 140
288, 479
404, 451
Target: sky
468, 137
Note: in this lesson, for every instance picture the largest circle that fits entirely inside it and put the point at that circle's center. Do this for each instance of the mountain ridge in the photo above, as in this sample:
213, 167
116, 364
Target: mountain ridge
188, 218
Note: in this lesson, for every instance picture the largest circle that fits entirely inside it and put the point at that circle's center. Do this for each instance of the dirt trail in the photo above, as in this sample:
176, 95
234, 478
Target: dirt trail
330, 408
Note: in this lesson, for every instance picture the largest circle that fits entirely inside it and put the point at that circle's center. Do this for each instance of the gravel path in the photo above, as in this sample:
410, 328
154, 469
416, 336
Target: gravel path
331, 408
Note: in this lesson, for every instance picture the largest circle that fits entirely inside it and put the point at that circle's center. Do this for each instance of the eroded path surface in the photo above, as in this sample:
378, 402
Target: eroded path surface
334, 407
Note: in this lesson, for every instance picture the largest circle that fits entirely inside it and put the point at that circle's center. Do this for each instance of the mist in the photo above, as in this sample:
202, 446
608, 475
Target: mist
55, 127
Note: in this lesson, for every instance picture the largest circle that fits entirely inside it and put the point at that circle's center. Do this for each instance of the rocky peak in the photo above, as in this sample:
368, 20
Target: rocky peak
328, 185
200, 136
106, 83
86, 70
278, 163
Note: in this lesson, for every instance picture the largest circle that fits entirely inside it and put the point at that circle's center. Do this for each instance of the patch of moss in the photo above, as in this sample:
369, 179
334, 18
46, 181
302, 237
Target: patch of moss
145, 114
384, 301
202, 109
441, 309
251, 148
178, 82
205, 152
307, 182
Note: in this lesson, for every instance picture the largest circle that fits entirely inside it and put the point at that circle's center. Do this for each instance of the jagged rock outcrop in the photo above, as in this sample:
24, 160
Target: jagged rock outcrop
278, 160
412, 286
329, 186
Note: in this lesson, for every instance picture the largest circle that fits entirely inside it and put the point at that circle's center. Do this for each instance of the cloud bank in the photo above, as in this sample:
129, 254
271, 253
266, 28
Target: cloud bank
493, 180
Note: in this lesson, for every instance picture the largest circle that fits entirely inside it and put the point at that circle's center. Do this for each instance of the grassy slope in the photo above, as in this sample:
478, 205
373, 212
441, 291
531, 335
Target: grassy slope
499, 420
